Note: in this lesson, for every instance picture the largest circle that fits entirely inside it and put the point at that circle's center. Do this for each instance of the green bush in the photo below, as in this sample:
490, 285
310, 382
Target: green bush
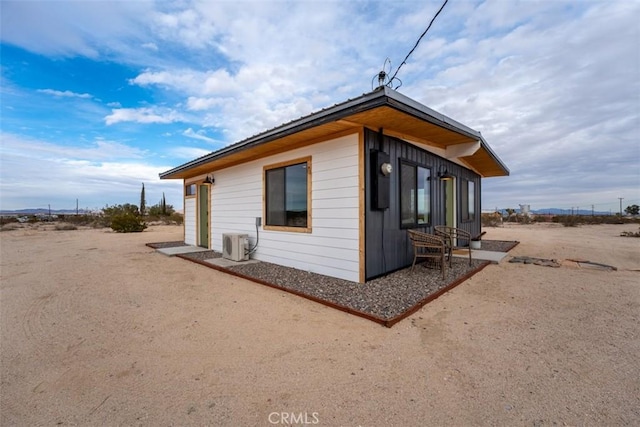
176, 217
127, 222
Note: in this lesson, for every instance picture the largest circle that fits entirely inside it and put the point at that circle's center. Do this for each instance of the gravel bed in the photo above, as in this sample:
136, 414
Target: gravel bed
204, 255
385, 297
498, 245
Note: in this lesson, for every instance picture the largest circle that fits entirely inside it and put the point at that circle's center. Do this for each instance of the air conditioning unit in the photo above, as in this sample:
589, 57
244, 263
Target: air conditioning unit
234, 246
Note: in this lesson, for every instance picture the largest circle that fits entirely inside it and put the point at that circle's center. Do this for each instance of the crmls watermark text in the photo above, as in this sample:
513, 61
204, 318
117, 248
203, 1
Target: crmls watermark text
293, 418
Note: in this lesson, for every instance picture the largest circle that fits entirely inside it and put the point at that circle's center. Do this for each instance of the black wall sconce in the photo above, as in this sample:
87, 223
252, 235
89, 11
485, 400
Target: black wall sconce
443, 174
209, 179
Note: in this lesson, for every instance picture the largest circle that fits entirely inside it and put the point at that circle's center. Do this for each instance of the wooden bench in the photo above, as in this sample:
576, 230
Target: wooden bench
428, 246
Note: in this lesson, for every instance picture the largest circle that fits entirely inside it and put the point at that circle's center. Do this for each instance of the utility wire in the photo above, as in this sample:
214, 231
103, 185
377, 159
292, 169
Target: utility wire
420, 38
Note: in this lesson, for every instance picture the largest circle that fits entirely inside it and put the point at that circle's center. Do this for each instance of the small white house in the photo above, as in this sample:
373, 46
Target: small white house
334, 192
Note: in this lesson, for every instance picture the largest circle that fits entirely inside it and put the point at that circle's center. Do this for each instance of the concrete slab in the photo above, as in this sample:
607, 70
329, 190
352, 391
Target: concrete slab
177, 250
226, 263
492, 256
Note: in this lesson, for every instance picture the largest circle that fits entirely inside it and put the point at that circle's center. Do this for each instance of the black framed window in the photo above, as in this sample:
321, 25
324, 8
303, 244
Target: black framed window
190, 190
415, 195
468, 200
287, 195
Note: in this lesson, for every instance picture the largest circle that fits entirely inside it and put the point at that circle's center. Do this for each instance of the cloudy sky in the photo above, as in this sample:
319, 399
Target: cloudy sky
98, 97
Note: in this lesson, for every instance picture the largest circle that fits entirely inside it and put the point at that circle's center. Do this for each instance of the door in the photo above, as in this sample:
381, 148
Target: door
450, 202
203, 216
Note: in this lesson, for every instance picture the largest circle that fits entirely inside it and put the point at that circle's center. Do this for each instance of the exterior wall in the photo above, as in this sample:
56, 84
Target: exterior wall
332, 247
387, 246
190, 230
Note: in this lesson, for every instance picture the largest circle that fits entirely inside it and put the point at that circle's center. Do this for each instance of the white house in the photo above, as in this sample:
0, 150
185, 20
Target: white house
334, 192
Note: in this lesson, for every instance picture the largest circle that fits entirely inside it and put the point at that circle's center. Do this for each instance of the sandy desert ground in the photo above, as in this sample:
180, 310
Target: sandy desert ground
98, 329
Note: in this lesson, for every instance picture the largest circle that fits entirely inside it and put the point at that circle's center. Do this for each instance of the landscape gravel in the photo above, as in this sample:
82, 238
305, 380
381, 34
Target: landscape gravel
385, 297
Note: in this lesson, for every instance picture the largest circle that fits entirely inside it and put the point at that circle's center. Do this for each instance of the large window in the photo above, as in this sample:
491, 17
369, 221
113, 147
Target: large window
468, 200
288, 195
415, 195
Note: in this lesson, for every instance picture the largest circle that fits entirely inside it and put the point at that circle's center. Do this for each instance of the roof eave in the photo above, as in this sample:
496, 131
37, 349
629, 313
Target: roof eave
379, 97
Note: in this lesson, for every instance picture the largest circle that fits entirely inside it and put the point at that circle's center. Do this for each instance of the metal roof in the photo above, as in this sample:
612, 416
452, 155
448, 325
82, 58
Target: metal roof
383, 101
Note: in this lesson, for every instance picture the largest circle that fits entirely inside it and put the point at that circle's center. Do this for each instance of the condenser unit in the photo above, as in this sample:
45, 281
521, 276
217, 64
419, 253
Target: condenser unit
234, 246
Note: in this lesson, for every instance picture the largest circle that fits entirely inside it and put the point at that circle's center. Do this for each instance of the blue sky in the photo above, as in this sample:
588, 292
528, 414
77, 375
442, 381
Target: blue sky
98, 97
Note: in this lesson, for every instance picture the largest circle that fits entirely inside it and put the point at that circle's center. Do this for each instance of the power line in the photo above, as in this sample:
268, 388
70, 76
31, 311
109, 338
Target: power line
418, 42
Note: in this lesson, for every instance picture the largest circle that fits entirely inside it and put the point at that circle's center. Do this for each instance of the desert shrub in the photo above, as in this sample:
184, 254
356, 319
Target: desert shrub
567, 220
127, 222
7, 220
111, 211
11, 226
630, 234
123, 218
575, 220
176, 217
81, 219
491, 219
160, 210
63, 226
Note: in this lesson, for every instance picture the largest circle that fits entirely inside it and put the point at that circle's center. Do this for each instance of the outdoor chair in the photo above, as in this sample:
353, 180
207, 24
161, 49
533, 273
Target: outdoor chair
453, 238
428, 246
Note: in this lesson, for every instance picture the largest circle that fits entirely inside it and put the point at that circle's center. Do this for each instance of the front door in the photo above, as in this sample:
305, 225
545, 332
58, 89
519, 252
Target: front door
450, 202
203, 216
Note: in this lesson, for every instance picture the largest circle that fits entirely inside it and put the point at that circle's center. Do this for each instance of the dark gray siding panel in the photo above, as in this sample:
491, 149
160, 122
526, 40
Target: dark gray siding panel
386, 244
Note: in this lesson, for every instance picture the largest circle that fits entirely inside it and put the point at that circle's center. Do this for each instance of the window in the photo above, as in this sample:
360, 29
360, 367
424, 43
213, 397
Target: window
415, 195
468, 200
190, 190
288, 195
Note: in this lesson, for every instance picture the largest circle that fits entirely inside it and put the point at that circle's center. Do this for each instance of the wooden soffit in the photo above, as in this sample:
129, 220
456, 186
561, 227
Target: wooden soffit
401, 121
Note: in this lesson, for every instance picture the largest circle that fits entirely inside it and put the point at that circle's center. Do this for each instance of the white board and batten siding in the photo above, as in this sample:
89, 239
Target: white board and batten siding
190, 236
332, 247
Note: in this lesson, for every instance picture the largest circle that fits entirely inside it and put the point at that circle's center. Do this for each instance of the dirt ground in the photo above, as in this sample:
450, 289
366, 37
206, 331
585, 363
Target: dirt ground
97, 328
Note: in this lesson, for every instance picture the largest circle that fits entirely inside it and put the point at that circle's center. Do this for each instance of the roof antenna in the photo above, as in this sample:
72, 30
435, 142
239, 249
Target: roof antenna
383, 77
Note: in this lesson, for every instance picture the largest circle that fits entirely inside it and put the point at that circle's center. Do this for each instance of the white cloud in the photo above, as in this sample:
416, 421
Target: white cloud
201, 135
199, 104
552, 85
150, 46
36, 172
97, 150
143, 115
73, 28
178, 79
64, 94
186, 153
549, 101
